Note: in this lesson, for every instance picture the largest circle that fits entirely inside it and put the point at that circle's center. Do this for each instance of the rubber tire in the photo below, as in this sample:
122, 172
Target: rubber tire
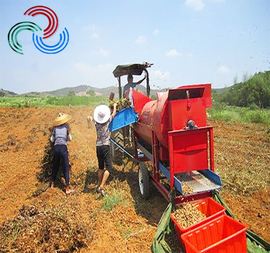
112, 151
144, 181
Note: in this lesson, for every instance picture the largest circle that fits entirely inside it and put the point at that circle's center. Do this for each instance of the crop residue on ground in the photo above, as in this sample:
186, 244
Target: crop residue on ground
124, 222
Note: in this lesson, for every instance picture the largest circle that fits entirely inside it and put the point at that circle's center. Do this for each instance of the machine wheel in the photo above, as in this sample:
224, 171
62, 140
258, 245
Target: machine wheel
144, 181
112, 147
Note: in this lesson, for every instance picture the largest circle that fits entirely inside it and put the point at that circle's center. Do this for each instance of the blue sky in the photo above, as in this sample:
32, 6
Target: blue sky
189, 41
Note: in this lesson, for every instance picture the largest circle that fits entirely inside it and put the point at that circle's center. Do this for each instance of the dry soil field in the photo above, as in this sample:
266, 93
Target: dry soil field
36, 219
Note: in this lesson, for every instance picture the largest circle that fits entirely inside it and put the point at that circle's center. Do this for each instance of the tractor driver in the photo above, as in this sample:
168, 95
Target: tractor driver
129, 86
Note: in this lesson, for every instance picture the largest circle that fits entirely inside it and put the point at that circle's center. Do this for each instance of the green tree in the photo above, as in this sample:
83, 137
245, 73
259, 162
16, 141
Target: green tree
71, 93
253, 92
90, 93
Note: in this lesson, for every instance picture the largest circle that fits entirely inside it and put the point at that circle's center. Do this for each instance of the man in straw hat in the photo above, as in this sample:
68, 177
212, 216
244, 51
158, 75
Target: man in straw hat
102, 119
60, 136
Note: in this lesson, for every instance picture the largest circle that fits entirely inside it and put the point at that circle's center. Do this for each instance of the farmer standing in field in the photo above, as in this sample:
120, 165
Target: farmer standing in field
102, 119
60, 136
127, 92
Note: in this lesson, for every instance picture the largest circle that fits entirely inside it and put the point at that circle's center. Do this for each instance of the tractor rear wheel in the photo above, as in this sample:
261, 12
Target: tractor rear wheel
144, 180
112, 147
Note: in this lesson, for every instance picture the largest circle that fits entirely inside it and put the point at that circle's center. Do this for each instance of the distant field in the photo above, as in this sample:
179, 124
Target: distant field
240, 114
218, 112
23, 101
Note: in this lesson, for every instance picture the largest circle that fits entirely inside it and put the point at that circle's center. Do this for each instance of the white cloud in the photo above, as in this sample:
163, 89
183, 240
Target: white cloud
156, 32
217, 1
97, 75
85, 68
94, 35
158, 75
140, 40
103, 52
81, 67
172, 53
92, 30
223, 69
196, 5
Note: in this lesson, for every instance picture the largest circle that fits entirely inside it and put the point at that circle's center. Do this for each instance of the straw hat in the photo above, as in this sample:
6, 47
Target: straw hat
102, 114
61, 119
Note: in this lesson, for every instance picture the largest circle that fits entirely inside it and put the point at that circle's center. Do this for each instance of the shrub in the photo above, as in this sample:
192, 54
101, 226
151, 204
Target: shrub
111, 200
19, 101
240, 114
257, 116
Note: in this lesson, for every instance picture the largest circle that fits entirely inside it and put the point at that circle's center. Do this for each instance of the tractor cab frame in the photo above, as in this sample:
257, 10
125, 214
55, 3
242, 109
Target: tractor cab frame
133, 69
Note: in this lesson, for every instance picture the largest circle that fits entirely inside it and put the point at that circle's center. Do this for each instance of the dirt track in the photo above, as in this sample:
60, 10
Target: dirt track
130, 225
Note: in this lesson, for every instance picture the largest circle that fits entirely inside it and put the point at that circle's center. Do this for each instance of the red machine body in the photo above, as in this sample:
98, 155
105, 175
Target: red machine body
173, 136
168, 116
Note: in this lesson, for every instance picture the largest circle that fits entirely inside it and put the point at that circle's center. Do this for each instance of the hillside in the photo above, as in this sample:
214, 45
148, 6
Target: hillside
4, 93
82, 90
65, 91
255, 92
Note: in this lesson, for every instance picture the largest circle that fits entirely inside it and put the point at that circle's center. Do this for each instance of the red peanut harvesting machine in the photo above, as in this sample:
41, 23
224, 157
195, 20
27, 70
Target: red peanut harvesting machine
174, 149
173, 133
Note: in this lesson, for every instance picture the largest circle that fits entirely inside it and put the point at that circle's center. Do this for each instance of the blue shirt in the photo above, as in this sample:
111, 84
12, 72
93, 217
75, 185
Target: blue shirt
60, 135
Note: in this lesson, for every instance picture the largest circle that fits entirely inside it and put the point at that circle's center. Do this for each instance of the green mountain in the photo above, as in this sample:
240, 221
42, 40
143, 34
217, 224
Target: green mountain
255, 92
4, 93
83, 90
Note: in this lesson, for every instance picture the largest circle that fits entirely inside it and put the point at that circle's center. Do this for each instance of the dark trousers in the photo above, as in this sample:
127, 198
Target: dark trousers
104, 157
60, 155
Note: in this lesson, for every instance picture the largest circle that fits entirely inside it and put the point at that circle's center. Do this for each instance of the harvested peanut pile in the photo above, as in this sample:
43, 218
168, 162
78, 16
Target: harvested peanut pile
51, 230
188, 215
121, 104
186, 188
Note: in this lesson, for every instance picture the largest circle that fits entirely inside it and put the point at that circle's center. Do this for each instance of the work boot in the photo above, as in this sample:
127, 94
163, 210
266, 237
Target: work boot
68, 190
101, 191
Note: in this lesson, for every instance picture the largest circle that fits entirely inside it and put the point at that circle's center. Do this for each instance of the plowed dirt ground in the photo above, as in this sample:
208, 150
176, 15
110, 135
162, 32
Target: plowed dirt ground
123, 222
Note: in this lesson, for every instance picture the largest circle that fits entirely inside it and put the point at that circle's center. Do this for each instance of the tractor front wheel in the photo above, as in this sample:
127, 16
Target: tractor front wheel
144, 180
